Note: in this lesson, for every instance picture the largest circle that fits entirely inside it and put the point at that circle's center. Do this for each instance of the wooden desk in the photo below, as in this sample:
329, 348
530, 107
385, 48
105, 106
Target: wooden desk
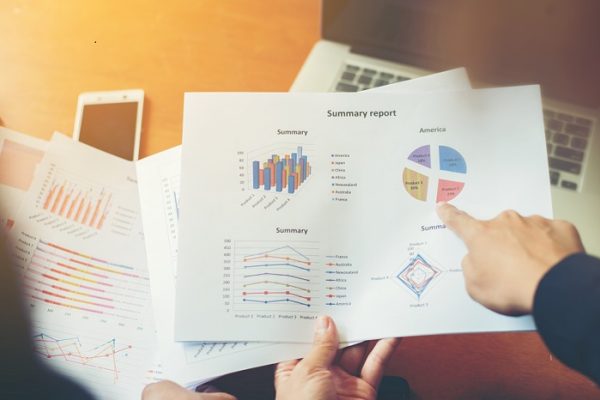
50, 51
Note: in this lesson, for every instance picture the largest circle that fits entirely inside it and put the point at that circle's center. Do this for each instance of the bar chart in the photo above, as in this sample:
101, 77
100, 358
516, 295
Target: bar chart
83, 205
284, 172
65, 278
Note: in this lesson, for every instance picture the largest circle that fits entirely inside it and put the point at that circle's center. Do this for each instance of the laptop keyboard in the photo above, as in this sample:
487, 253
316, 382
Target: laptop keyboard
567, 139
354, 78
567, 135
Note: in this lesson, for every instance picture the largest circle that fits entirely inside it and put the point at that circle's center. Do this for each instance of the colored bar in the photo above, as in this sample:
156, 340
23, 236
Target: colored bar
261, 177
268, 178
101, 222
303, 168
278, 177
76, 253
50, 194
72, 208
293, 166
255, 174
272, 166
106, 209
58, 199
63, 207
95, 214
291, 186
79, 209
87, 212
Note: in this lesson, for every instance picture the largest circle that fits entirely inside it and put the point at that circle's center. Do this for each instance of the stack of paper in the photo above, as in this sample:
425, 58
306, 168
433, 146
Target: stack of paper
159, 182
218, 256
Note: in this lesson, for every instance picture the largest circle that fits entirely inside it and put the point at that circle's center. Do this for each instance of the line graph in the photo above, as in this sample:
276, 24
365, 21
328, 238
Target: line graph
108, 363
104, 356
272, 275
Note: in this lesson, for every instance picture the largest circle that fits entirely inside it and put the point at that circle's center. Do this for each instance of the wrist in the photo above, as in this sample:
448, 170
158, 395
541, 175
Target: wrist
530, 284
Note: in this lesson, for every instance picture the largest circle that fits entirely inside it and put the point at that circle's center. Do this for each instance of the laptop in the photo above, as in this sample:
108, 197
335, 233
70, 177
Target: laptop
367, 44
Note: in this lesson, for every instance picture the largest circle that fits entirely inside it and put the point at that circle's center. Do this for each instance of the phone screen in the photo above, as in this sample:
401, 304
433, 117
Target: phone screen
110, 127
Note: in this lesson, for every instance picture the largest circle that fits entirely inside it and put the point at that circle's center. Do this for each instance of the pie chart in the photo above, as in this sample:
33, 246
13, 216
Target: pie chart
434, 171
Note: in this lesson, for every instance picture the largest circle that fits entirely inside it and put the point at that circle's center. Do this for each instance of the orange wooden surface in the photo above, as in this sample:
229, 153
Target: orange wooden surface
50, 51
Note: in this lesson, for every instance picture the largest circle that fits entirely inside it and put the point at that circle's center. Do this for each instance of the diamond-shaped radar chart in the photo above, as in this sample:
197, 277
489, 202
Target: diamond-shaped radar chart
417, 274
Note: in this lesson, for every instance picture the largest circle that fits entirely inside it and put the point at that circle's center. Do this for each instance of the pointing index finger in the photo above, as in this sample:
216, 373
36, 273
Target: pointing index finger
459, 222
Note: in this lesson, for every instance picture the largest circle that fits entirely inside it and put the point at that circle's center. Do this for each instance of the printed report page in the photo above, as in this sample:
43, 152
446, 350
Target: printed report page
297, 205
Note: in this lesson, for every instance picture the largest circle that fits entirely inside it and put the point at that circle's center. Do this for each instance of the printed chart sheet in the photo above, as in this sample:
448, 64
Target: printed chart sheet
306, 204
79, 246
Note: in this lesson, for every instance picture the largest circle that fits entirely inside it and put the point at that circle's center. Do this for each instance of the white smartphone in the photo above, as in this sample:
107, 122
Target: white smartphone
111, 121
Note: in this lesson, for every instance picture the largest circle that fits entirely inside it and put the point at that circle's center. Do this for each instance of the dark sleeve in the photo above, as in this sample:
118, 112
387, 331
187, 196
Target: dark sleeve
566, 310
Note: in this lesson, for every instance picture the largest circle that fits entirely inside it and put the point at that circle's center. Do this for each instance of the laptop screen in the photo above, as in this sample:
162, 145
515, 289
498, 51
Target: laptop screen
551, 42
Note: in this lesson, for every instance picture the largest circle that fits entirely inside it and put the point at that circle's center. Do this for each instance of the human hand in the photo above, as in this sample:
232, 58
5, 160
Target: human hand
355, 375
167, 390
508, 255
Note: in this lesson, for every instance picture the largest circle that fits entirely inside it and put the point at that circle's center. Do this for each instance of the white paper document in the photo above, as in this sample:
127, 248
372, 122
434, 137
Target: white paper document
20, 155
296, 205
79, 246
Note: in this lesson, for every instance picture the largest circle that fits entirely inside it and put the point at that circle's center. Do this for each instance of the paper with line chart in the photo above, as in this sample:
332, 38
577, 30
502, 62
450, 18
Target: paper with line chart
309, 204
188, 364
79, 247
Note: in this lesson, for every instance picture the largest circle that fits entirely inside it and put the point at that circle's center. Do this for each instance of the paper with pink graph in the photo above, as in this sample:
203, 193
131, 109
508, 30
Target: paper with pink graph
79, 247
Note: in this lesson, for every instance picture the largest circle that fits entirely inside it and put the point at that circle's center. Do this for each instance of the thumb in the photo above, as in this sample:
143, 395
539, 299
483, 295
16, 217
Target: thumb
325, 344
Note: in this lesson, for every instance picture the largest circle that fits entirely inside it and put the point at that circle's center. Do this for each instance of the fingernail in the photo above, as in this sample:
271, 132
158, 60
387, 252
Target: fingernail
322, 325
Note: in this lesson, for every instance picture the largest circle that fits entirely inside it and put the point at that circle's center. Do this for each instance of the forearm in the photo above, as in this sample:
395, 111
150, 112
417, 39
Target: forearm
567, 312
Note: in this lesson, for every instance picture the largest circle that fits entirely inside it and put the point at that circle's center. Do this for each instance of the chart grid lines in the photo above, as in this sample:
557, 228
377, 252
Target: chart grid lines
276, 276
